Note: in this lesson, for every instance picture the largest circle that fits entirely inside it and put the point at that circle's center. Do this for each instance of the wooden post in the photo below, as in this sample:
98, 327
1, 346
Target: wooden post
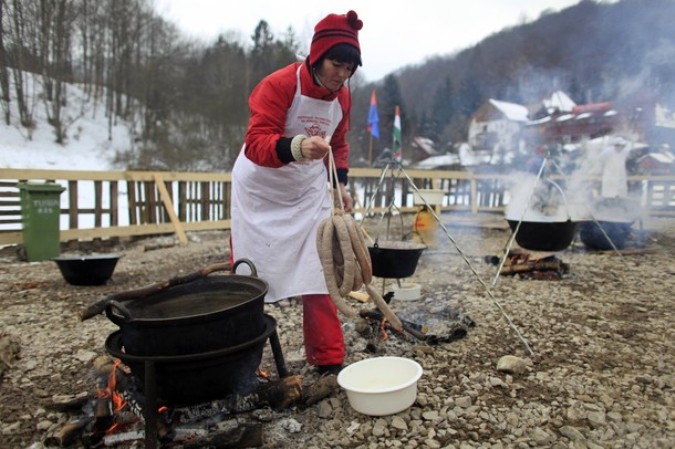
474, 196
168, 205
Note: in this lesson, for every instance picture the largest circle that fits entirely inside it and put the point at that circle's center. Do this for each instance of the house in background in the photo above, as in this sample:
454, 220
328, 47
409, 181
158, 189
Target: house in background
559, 103
558, 120
658, 163
496, 127
501, 132
422, 148
660, 129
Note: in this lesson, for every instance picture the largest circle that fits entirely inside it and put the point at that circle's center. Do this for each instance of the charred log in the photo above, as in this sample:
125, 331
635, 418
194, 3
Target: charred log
241, 436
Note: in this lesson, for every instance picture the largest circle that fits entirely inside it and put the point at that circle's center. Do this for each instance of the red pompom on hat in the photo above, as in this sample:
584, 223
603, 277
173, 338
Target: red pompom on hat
332, 30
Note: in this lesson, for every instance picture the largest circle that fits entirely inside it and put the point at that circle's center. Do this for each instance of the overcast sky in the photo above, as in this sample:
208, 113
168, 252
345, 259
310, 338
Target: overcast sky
395, 33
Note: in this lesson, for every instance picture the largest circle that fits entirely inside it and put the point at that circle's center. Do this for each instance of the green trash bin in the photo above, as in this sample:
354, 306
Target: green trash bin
40, 210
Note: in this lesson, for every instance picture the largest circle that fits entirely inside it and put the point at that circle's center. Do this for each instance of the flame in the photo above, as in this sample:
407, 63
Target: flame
110, 391
383, 332
117, 399
262, 373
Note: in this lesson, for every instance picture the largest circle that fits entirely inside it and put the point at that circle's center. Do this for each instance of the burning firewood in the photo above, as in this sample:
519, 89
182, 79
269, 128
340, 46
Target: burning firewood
281, 393
536, 265
324, 387
456, 332
115, 414
522, 263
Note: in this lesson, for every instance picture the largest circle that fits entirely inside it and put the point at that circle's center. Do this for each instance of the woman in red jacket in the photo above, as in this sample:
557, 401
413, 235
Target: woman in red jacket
280, 190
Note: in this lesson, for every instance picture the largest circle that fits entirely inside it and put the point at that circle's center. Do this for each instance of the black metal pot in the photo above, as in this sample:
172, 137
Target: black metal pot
395, 259
194, 378
87, 270
544, 235
591, 234
207, 314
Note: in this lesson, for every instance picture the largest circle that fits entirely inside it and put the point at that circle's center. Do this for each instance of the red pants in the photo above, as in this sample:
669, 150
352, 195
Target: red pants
324, 343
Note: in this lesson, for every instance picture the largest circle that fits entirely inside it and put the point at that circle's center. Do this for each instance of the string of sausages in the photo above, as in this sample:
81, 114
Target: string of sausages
347, 265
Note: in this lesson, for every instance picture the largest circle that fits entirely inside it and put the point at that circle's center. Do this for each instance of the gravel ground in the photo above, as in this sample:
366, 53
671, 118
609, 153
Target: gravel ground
600, 374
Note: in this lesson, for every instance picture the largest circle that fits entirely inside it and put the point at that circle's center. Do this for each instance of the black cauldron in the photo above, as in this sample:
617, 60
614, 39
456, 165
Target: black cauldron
544, 235
395, 259
194, 378
614, 216
592, 236
87, 270
207, 314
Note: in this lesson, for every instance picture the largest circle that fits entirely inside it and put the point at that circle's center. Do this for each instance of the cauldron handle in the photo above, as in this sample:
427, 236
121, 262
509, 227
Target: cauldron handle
248, 262
119, 307
100, 305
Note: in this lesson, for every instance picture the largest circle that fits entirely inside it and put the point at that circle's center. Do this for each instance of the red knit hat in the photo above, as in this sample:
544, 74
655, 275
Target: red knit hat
332, 30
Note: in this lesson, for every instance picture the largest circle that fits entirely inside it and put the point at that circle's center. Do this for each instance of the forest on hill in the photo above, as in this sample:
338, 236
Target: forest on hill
186, 101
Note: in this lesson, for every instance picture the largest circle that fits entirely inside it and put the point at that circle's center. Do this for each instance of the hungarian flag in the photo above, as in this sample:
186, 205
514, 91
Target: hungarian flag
373, 119
397, 135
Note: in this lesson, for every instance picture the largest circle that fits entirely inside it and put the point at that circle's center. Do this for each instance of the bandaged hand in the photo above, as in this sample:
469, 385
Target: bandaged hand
314, 148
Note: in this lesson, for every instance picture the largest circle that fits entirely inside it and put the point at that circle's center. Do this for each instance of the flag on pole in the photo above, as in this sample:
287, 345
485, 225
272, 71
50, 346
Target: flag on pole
373, 119
397, 135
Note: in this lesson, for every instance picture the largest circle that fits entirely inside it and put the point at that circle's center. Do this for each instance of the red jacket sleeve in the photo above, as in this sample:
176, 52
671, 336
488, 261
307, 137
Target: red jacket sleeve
269, 103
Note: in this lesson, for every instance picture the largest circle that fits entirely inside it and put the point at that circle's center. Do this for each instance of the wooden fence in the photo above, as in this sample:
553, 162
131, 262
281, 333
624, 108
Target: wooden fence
107, 204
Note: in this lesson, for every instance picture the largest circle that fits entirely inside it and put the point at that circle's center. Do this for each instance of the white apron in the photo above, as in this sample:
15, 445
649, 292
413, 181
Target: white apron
276, 211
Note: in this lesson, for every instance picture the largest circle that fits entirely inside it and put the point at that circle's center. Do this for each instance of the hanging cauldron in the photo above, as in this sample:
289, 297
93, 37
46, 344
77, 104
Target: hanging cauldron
207, 314
615, 232
544, 235
612, 223
395, 259
546, 228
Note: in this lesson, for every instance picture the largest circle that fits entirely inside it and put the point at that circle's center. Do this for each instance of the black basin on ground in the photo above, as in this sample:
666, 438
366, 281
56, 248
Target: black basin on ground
87, 269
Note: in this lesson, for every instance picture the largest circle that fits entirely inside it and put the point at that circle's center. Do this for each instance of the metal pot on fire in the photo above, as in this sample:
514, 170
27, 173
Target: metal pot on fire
204, 315
612, 223
544, 235
395, 259
542, 221
602, 234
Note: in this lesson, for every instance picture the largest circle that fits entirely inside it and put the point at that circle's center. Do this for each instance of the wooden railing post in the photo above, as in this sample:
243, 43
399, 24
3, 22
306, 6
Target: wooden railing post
474, 196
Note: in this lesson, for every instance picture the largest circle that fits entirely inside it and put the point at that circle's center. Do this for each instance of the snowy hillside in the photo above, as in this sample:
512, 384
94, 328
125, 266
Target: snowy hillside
87, 147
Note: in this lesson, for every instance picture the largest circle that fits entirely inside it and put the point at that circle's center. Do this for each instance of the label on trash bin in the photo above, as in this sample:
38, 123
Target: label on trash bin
46, 206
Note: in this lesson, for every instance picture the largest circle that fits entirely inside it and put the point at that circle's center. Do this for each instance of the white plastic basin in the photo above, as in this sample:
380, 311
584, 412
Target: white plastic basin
381, 385
434, 197
407, 291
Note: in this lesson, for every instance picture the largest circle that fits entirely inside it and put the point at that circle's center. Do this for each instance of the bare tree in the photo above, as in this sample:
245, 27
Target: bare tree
18, 37
4, 63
